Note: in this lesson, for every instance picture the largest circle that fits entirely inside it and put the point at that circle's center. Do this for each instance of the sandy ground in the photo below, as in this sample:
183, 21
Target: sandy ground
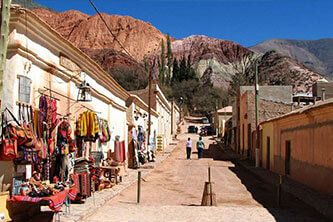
173, 191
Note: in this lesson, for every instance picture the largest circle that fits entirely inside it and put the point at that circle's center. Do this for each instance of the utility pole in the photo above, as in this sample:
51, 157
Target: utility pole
5, 16
257, 115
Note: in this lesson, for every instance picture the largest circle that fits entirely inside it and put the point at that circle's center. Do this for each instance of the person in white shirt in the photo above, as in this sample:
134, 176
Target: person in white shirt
188, 148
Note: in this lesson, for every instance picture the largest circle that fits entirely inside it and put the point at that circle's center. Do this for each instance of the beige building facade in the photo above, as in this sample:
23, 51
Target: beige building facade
42, 62
300, 145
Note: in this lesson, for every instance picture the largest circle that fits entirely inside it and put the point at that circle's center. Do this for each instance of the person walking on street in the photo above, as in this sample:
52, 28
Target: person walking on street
200, 147
188, 148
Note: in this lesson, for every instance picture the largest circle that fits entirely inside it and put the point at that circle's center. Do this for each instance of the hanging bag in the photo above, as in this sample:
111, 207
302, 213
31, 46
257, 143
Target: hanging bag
8, 147
28, 131
16, 132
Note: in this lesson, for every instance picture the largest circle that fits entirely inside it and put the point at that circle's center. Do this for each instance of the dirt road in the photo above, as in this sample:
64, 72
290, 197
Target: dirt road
173, 191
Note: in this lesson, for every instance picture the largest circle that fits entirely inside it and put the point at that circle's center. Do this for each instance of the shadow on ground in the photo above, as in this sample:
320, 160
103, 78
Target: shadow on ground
291, 208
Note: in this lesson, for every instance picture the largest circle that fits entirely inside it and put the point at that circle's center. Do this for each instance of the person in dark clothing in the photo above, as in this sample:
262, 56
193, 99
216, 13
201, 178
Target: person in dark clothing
200, 147
188, 148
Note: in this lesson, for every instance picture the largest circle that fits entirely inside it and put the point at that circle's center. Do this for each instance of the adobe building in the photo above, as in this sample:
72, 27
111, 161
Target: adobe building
299, 145
40, 62
220, 117
163, 108
273, 101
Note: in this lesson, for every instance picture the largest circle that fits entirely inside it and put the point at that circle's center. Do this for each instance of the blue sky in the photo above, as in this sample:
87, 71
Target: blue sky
247, 22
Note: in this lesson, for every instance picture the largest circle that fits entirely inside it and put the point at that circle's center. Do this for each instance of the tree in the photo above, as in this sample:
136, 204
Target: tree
208, 99
126, 76
185, 89
183, 75
244, 73
175, 71
169, 60
190, 71
162, 64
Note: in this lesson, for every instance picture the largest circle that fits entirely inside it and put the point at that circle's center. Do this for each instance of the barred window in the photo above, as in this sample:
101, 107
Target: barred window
24, 89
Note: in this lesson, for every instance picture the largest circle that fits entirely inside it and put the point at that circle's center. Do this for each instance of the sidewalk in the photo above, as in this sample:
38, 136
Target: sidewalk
80, 211
322, 203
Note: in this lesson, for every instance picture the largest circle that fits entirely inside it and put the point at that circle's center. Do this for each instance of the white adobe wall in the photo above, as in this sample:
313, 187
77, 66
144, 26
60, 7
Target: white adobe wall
41, 78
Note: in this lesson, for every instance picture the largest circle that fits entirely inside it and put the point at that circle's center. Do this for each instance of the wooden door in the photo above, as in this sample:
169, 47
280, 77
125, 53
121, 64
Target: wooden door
268, 153
287, 158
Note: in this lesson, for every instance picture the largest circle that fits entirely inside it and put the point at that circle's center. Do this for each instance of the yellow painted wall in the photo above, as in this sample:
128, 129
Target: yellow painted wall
311, 137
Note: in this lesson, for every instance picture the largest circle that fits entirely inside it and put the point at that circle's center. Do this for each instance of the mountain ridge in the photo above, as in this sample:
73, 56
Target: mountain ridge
142, 40
316, 55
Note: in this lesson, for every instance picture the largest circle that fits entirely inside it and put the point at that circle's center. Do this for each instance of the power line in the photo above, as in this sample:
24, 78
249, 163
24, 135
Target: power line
113, 35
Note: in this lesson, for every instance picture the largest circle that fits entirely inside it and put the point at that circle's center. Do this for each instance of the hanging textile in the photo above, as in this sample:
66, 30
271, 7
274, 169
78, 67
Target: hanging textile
88, 126
105, 134
119, 149
141, 134
63, 151
48, 112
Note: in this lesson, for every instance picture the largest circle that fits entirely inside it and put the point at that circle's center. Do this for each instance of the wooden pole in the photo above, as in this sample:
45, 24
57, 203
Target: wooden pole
4, 32
139, 188
257, 115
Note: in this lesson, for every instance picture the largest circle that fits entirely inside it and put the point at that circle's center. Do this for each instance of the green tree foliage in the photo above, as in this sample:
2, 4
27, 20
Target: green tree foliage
185, 89
244, 73
175, 71
169, 60
206, 100
161, 64
130, 79
190, 71
183, 74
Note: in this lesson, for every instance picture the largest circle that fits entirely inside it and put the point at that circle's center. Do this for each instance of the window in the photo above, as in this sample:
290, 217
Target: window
24, 89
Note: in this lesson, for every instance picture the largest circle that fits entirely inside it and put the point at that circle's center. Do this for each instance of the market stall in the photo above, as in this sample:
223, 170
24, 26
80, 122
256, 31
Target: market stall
53, 163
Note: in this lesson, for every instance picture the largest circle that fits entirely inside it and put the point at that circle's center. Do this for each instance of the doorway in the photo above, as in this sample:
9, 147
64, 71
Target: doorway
249, 140
287, 158
268, 153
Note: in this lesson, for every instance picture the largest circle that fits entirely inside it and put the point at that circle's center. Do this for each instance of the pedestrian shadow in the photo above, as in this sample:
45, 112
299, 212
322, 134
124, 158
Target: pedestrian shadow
128, 202
191, 205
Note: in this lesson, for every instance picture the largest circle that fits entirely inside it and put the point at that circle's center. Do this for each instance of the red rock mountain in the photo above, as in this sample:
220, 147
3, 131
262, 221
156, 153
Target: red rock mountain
277, 69
215, 55
208, 55
89, 32
201, 47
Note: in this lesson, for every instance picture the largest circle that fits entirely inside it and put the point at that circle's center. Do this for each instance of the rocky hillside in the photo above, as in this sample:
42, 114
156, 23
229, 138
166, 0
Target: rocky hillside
215, 57
211, 55
276, 69
89, 32
220, 60
27, 3
313, 54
